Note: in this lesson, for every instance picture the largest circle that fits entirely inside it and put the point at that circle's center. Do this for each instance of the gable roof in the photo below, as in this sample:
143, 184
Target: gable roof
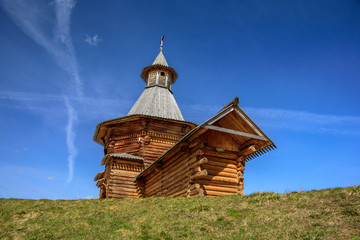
230, 120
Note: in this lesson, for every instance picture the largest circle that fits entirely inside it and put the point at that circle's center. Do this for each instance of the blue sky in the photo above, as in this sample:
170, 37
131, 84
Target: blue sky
67, 65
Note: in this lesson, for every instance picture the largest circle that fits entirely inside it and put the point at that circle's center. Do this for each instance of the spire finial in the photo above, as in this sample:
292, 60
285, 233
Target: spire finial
161, 43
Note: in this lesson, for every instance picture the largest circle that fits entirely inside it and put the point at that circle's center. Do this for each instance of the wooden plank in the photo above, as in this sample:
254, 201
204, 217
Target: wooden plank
235, 132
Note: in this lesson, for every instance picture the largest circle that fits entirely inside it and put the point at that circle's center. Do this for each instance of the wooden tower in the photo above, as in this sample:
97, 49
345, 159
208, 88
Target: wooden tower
152, 126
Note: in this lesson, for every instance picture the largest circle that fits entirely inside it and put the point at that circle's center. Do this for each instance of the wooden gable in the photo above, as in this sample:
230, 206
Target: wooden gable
233, 122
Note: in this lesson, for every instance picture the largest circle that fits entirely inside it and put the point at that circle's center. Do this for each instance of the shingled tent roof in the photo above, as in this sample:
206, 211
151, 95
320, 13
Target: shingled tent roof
158, 102
160, 60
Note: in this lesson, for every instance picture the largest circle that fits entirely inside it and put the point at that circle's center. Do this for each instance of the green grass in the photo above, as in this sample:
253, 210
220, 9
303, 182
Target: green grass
325, 214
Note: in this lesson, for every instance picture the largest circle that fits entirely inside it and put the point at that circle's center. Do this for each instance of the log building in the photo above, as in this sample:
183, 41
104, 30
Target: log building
153, 151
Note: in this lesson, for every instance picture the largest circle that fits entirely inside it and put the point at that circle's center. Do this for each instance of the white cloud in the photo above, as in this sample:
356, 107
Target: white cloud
93, 41
50, 178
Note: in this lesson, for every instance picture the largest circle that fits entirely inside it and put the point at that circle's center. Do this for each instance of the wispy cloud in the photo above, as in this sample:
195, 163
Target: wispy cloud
89, 107
50, 178
306, 121
100, 108
293, 120
35, 20
70, 137
93, 41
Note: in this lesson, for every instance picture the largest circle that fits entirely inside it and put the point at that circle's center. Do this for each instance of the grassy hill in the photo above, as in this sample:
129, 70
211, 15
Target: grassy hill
325, 214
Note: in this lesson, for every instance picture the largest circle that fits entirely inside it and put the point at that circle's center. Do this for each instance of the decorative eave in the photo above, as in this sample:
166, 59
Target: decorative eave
121, 156
208, 125
146, 70
101, 128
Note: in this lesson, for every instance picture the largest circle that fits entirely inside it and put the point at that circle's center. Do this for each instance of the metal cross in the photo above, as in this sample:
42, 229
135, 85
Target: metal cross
161, 43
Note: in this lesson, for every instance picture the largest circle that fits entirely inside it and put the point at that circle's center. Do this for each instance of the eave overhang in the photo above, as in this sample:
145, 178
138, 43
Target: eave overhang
101, 128
121, 156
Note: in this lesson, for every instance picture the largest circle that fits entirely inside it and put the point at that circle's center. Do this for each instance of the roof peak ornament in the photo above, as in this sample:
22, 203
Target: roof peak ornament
161, 42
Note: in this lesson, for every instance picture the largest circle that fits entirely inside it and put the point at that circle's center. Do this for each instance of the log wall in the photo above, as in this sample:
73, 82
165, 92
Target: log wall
145, 137
205, 169
120, 180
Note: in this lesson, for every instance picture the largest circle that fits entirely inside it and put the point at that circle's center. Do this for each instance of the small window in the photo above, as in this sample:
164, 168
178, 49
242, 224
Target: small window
162, 74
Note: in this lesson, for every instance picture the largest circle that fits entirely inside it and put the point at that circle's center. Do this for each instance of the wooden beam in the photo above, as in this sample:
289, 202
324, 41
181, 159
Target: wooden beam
248, 150
226, 130
223, 114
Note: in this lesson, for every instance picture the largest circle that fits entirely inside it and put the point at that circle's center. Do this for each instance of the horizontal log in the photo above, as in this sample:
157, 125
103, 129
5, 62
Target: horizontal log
216, 193
223, 174
117, 195
220, 179
179, 180
156, 177
176, 173
125, 193
223, 155
121, 182
221, 189
123, 173
177, 194
156, 186
171, 172
222, 160
222, 169
220, 164
122, 188
121, 177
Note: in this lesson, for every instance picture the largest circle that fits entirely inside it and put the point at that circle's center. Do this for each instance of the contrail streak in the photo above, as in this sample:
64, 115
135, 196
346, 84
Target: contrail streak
70, 137
31, 18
